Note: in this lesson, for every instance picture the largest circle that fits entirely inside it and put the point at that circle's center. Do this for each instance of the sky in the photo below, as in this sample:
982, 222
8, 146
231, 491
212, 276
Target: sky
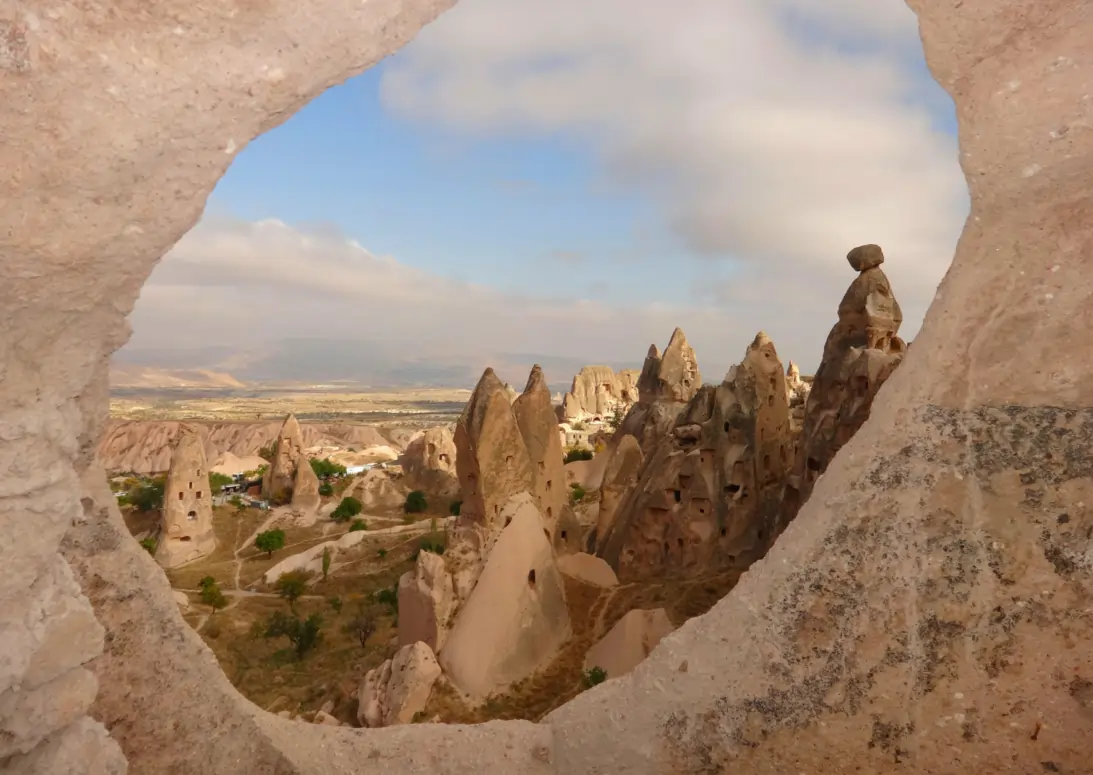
565, 182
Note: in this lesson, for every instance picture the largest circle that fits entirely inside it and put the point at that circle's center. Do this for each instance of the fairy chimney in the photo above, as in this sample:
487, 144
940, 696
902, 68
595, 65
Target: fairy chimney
187, 528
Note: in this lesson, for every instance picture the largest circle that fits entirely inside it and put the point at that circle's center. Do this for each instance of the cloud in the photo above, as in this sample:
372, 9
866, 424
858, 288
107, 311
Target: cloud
568, 257
266, 301
776, 134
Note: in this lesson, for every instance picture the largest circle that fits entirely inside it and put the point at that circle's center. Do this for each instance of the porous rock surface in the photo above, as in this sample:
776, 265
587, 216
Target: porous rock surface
187, 523
538, 426
426, 601
288, 452
862, 351
600, 391
428, 463
708, 497
928, 605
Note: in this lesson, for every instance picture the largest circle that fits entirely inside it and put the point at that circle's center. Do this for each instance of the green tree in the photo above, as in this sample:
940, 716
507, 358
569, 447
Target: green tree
576, 493
429, 545
269, 541
211, 594
148, 496
382, 553
292, 585
455, 507
326, 562
149, 545
304, 635
326, 468
416, 502
347, 509
388, 596
358, 524
363, 626
217, 482
326, 489
267, 452
335, 603
615, 420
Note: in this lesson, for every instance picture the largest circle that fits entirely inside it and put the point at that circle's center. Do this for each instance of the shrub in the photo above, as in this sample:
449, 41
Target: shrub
291, 585
348, 508
238, 503
428, 545
269, 541
388, 596
415, 502
282, 497
326, 489
578, 453
217, 482
455, 507
382, 553
326, 562
593, 676
357, 524
304, 635
149, 545
326, 468
206, 582
576, 493
267, 452
335, 603
578, 426
363, 626
615, 420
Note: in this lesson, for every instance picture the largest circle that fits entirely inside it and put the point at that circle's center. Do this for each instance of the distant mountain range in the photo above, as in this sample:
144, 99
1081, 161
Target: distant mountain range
329, 363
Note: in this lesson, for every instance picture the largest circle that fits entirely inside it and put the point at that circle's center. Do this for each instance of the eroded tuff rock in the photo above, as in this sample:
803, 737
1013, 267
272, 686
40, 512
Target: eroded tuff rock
428, 463
305, 487
621, 470
600, 392
861, 352
187, 529
538, 426
288, 451
708, 496
588, 569
630, 641
665, 386
516, 618
990, 392
673, 376
426, 601
797, 391
399, 688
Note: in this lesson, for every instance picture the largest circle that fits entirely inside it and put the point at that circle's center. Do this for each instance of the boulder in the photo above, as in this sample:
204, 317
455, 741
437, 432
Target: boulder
426, 600
587, 569
631, 640
428, 463
397, 690
516, 618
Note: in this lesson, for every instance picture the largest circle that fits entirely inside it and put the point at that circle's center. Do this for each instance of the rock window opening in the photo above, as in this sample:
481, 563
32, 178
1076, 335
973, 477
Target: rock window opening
678, 495
432, 449
813, 464
199, 494
549, 483
563, 535
549, 512
679, 542
542, 467
443, 458
732, 489
726, 427
191, 485
547, 534
761, 534
732, 558
507, 521
192, 516
773, 383
531, 578
766, 462
180, 495
724, 532
509, 459
183, 538
770, 400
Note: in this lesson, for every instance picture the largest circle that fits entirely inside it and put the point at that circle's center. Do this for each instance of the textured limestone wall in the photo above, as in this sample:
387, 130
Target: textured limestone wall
928, 610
